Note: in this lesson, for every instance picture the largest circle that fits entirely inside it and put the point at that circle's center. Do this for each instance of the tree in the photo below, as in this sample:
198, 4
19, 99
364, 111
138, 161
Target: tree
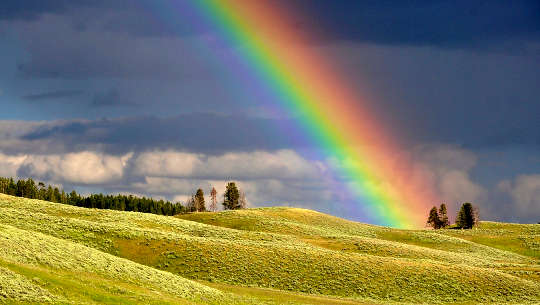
242, 200
199, 201
49, 196
476, 215
433, 218
231, 196
213, 200
28, 188
190, 204
57, 195
42, 191
443, 216
466, 217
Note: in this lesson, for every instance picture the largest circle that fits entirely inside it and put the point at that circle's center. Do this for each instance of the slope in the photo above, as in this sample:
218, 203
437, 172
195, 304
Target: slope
291, 249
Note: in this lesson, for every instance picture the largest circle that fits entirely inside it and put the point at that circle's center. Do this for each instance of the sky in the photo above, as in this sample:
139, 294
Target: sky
115, 97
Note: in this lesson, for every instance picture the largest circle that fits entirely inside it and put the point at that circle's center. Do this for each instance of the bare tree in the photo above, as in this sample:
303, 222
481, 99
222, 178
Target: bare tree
213, 200
476, 215
242, 200
190, 204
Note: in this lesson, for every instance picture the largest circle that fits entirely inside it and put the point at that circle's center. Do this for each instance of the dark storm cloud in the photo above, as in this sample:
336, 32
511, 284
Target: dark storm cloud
136, 17
108, 98
52, 95
135, 39
210, 133
89, 50
463, 74
439, 23
30, 9
206, 133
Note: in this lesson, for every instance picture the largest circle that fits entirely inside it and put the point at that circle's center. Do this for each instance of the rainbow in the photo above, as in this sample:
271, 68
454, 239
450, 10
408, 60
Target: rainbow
327, 106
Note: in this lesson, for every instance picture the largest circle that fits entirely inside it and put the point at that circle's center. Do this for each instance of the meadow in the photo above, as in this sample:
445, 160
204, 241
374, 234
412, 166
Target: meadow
54, 253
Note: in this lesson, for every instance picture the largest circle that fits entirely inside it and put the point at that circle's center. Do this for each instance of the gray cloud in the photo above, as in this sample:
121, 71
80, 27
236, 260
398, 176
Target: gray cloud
111, 97
449, 168
525, 194
31, 9
460, 73
120, 54
280, 177
428, 94
449, 24
53, 95
145, 156
209, 133
440, 23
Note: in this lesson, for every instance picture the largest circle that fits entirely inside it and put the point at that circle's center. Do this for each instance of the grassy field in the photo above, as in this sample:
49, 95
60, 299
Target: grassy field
59, 254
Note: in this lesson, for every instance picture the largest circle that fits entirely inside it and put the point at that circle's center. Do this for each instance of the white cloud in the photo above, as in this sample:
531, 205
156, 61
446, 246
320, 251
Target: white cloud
170, 186
283, 164
436, 171
280, 177
525, 194
10, 164
457, 187
446, 169
166, 164
82, 167
267, 177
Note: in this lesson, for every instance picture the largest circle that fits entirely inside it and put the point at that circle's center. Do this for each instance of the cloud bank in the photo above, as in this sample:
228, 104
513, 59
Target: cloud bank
89, 157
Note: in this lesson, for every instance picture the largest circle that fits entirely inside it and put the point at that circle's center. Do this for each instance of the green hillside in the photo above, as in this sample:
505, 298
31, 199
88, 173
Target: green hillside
60, 254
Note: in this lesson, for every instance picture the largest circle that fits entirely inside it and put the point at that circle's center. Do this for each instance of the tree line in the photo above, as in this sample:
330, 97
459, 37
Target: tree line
232, 199
467, 217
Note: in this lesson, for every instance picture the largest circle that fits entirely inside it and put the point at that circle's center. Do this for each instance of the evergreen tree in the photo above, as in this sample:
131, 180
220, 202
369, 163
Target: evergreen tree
29, 189
3, 185
20, 192
213, 200
49, 196
73, 198
63, 197
466, 218
42, 191
433, 218
231, 196
199, 196
56, 195
443, 216
12, 187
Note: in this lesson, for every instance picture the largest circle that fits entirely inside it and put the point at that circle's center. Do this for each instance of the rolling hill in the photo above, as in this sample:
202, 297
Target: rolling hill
58, 254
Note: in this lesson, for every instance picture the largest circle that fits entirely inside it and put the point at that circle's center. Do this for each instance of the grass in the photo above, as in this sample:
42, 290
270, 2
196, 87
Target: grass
285, 297
518, 238
258, 256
